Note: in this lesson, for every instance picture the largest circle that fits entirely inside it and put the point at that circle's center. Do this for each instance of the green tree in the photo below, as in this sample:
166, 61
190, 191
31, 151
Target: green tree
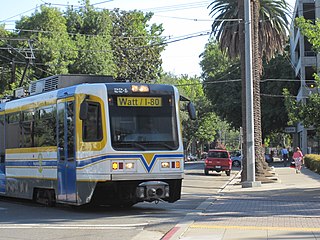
223, 87
90, 41
221, 83
54, 50
306, 111
203, 129
91, 31
269, 24
7, 60
276, 77
136, 45
310, 30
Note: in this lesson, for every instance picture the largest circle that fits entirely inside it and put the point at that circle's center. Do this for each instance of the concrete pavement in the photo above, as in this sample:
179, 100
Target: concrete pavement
287, 209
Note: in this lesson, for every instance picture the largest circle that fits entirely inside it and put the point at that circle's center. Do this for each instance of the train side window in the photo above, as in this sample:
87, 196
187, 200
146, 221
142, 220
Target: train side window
12, 129
2, 144
45, 126
92, 126
27, 127
13, 118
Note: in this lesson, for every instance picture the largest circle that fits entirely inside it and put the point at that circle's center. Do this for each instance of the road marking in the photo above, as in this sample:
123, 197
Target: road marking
73, 226
170, 234
301, 229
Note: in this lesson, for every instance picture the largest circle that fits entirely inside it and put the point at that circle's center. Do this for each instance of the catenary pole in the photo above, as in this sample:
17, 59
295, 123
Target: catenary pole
250, 153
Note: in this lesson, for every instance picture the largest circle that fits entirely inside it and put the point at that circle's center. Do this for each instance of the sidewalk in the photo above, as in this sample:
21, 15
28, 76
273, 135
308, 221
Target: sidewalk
288, 209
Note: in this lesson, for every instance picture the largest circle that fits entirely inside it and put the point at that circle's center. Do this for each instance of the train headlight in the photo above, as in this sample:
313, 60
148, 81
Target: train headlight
140, 192
130, 165
165, 164
166, 191
114, 165
177, 164
139, 88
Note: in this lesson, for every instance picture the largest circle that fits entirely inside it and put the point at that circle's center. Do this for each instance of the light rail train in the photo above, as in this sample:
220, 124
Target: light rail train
79, 139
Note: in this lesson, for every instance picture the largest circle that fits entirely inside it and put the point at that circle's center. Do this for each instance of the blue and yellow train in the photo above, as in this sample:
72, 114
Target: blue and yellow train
79, 139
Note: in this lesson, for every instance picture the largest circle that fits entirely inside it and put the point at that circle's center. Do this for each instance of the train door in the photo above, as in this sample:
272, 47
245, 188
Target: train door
66, 150
2, 157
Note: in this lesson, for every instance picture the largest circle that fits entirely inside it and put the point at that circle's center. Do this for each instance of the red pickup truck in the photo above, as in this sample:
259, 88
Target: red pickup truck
218, 160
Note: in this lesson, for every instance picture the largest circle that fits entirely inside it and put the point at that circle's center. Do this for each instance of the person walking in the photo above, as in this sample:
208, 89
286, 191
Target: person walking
285, 155
298, 159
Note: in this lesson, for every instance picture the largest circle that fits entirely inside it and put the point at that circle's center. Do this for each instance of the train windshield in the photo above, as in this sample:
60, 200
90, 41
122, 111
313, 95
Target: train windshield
143, 123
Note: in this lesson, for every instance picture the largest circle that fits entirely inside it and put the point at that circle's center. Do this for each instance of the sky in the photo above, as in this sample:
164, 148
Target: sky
181, 19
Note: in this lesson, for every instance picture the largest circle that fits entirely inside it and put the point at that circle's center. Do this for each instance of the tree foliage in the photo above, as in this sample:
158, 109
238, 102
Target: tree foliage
306, 111
273, 24
82, 40
136, 46
91, 31
310, 30
206, 128
223, 87
269, 22
53, 48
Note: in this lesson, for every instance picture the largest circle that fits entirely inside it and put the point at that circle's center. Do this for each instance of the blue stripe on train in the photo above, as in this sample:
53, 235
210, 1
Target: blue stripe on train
35, 163
126, 157
84, 163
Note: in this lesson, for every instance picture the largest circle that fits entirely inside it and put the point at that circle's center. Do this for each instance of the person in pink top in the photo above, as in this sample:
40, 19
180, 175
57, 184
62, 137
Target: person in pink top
298, 159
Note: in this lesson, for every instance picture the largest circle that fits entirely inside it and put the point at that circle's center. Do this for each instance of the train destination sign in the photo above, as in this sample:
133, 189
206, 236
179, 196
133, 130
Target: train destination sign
139, 101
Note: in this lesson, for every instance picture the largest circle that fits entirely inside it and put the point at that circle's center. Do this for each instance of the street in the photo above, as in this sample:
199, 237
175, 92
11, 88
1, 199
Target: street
22, 219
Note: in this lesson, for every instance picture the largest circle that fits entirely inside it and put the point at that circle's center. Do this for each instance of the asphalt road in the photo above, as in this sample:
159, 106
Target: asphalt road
24, 220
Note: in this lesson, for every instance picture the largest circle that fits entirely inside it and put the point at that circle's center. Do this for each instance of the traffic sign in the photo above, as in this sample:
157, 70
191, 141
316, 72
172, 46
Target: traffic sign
290, 129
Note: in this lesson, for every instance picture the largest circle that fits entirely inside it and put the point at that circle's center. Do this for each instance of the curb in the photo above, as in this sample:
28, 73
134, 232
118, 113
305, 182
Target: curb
181, 227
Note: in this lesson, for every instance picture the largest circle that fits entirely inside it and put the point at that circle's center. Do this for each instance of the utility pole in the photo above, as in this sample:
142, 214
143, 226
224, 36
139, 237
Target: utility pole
250, 153
13, 71
29, 57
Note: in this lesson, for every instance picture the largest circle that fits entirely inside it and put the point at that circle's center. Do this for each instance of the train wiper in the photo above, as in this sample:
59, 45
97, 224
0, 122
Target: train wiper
129, 145
138, 145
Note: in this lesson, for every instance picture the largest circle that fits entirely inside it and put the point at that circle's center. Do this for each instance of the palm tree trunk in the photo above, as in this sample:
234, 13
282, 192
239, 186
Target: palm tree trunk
260, 163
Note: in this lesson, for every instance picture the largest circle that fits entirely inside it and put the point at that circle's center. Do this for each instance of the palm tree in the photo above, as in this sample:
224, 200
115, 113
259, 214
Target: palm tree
269, 28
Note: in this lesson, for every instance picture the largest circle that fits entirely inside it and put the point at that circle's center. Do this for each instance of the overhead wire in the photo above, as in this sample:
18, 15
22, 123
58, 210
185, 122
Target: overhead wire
32, 9
165, 8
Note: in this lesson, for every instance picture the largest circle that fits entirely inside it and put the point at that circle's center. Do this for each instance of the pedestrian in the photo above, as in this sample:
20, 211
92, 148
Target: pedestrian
298, 159
284, 153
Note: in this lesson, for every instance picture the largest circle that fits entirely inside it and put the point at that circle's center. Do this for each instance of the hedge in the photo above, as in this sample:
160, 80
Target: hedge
312, 161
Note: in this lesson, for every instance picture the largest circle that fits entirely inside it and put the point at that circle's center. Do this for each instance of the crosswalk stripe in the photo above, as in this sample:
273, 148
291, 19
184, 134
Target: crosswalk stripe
73, 226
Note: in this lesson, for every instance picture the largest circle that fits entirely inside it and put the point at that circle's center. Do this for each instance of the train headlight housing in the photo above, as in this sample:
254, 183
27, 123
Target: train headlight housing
177, 164
114, 165
139, 88
165, 165
140, 192
166, 191
129, 165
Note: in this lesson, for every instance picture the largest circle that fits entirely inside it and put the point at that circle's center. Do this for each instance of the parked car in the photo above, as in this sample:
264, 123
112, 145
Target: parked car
218, 160
236, 160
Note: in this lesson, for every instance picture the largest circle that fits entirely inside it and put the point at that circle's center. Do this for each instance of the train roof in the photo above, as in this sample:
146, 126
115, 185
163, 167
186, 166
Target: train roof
57, 82
65, 80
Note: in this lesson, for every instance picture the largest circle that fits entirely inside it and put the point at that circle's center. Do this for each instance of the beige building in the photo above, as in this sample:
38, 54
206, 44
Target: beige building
305, 63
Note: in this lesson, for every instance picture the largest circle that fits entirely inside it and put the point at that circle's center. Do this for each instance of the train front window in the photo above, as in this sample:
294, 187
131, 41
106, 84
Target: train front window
144, 127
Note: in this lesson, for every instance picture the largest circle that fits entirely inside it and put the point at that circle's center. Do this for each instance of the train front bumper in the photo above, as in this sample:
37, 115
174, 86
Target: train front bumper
152, 191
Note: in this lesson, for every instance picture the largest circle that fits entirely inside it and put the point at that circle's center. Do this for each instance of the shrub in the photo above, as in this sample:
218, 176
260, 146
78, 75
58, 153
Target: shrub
312, 161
